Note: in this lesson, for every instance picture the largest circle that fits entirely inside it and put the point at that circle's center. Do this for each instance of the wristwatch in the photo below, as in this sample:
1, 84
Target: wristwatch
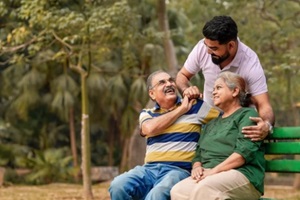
270, 127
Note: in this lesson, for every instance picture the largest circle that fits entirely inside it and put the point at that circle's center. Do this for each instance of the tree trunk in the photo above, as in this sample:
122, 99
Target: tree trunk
112, 142
167, 40
124, 159
73, 142
85, 142
137, 149
137, 146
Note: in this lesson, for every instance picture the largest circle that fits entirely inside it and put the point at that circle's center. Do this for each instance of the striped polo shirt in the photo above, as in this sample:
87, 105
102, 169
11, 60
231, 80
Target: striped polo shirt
176, 145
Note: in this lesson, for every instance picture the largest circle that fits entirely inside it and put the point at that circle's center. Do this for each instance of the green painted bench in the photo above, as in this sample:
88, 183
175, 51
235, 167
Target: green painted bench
283, 141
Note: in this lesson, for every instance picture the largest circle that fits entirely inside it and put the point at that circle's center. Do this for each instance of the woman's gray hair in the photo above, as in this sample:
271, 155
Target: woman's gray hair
233, 80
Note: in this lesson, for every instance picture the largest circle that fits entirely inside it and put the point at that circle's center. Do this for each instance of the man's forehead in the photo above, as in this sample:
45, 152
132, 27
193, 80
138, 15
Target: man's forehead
162, 75
211, 43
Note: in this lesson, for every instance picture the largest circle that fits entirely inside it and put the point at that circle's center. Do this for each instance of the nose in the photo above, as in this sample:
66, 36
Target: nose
214, 92
169, 82
209, 51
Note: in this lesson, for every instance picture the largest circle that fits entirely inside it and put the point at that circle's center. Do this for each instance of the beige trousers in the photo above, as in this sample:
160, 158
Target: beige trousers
231, 184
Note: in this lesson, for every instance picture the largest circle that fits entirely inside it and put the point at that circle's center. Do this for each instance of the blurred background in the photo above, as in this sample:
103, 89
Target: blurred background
72, 70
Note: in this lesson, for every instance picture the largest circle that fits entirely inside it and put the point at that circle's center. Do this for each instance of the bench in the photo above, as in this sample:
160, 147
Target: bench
285, 141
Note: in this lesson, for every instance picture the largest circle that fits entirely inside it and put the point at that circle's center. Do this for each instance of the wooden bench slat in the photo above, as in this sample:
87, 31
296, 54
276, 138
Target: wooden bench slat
288, 166
286, 132
283, 148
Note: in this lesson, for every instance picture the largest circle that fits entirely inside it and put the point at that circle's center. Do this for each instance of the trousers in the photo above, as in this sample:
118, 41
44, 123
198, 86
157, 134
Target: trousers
149, 182
227, 185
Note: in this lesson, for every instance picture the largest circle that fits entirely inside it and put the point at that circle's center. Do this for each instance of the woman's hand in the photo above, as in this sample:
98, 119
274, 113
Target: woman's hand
197, 173
206, 173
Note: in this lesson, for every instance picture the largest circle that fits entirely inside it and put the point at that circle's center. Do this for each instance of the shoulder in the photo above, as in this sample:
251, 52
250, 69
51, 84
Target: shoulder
247, 55
149, 111
246, 50
249, 111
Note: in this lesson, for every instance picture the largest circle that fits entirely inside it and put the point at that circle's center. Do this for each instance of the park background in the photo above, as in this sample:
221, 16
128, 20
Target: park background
73, 72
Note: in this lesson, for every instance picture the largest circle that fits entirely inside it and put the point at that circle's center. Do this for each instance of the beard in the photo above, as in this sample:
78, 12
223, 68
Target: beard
219, 59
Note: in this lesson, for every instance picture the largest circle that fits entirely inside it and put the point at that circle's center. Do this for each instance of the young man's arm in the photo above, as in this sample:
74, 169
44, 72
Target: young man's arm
182, 82
264, 122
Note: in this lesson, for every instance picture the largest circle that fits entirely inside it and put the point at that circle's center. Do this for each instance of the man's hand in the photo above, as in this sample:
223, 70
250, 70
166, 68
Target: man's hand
186, 105
192, 92
258, 132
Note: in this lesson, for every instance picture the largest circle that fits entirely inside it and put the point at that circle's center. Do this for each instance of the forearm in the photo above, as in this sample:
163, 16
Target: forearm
264, 108
182, 82
266, 113
156, 125
233, 161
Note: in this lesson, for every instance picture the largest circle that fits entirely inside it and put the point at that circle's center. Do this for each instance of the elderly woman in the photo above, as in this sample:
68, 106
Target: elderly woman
226, 165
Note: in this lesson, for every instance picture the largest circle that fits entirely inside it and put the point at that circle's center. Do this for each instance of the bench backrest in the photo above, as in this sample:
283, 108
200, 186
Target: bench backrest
284, 141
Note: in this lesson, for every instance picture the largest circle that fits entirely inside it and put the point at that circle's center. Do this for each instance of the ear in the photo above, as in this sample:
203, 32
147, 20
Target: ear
151, 95
236, 92
231, 44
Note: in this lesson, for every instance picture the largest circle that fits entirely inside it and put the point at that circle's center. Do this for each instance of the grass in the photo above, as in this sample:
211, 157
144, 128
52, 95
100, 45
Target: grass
61, 191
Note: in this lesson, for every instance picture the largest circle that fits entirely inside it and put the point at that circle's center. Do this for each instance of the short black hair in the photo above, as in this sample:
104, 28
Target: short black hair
221, 28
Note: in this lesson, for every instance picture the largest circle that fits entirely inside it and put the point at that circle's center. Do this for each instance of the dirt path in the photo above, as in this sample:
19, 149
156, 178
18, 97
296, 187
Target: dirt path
59, 191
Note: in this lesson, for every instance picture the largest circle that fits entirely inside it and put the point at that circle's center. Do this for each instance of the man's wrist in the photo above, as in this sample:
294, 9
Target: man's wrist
270, 127
182, 91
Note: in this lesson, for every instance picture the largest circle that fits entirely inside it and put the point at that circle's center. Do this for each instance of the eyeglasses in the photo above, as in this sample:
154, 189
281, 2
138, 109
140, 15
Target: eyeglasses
163, 82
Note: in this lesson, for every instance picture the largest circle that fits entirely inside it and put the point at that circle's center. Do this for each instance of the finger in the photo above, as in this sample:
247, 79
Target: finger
251, 132
192, 92
256, 139
256, 119
198, 179
249, 128
251, 135
201, 96
185, 99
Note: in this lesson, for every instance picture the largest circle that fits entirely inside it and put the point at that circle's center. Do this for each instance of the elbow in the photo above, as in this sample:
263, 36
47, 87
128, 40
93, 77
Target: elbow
146, 130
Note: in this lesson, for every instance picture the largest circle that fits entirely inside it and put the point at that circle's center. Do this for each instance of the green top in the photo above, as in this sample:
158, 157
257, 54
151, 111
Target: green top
223, 136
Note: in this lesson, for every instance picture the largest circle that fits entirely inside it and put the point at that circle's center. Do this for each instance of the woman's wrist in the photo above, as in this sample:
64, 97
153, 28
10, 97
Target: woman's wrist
196, 165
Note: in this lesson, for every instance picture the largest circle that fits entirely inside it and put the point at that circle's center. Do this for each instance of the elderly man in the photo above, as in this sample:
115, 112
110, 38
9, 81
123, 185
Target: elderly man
172, 129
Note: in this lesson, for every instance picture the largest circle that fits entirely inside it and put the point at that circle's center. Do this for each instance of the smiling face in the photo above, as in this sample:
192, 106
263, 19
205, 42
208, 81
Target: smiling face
223, 96
163, 90
221, 54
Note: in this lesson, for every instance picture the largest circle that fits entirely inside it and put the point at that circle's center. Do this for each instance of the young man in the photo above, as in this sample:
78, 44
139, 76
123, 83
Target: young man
219, 51
172, 129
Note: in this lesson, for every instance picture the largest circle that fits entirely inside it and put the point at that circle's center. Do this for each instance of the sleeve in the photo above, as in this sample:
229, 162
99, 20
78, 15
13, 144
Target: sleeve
256, 79
144, 116
244, 146
197, 157
206, 113
192, 63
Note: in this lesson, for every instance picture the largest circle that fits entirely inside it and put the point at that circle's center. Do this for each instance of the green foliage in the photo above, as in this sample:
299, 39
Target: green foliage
118, 43
48, 166
65, 90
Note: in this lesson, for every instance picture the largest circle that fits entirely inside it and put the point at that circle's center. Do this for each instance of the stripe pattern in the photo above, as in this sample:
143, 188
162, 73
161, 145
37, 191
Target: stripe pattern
176, 145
